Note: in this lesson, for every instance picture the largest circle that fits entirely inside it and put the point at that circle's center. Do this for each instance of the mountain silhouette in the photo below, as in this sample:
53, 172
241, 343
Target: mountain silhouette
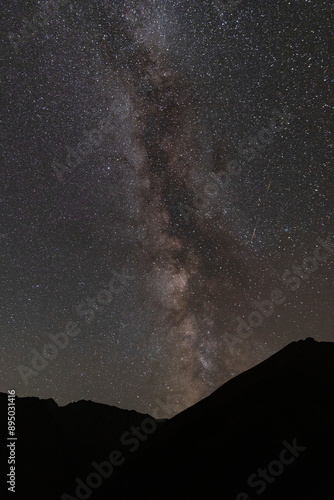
266, 434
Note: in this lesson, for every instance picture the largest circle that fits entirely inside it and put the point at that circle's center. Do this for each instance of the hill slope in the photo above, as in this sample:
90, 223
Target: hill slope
267, 433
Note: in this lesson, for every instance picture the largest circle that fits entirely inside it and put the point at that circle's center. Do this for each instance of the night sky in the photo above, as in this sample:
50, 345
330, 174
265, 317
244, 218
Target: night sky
166, 169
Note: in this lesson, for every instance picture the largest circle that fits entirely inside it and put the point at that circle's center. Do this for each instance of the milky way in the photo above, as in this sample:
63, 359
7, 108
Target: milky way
184, 149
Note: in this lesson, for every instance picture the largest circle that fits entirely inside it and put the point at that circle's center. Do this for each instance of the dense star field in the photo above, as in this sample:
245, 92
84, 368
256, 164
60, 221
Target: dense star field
166, 194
